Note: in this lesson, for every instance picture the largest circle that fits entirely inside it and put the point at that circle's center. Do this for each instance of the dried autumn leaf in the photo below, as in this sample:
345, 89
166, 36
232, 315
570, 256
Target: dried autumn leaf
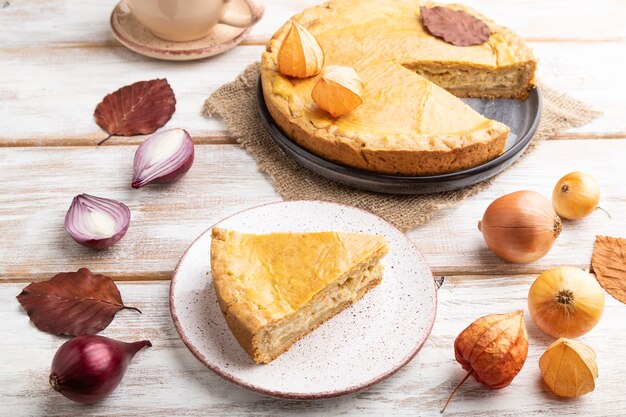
455, 26
493, 349
137, 109
569, 368
608, 262
72, 303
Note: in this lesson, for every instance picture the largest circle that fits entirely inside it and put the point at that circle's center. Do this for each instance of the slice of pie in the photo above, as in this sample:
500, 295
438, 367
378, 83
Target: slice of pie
274, 289
411, 121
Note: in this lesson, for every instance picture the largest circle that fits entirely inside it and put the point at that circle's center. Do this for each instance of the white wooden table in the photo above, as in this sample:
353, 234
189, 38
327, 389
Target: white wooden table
58, 59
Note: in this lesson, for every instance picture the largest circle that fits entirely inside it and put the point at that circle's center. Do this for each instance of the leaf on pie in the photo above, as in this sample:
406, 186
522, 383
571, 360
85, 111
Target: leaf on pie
608, 262
454, 26
137, 109
72, 303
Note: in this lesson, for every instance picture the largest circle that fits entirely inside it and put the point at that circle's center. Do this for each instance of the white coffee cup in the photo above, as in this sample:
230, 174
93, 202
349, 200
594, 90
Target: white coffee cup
188, 20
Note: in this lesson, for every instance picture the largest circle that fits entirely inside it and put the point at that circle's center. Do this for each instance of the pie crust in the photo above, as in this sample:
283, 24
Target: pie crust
411, 121
276, 288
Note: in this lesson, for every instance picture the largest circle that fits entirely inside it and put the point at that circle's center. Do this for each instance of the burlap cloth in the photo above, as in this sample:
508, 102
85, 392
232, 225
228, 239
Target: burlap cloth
236, 104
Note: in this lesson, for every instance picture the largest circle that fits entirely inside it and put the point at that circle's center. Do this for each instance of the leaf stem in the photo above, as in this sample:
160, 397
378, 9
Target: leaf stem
454, 392
104, 140
605, 211
132, 308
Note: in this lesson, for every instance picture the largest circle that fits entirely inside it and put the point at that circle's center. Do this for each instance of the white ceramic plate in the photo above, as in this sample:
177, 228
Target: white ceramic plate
359, 347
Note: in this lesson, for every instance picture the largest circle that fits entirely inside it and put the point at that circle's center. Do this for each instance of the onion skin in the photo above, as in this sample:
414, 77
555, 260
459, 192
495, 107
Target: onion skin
565, 302
520, 227
164, 171
75, 217
86, 369
576, 195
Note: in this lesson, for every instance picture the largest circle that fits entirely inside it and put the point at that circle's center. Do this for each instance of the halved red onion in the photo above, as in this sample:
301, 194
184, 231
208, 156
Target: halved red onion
97, 222
163, 157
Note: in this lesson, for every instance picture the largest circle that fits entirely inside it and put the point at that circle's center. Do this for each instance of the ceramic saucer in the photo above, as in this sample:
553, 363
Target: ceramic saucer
136, 37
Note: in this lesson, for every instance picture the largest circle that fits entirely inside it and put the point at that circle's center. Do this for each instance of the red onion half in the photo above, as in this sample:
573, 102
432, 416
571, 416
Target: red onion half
86, 369
164, 157
97, 222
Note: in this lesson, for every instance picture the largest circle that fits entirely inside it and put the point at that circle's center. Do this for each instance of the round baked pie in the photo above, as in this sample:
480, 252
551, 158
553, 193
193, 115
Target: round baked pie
410, 121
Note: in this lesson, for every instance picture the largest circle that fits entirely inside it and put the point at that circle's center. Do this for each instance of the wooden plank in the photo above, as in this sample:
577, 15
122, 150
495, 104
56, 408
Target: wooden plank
167, 380
39, 183
55, 94
75, 23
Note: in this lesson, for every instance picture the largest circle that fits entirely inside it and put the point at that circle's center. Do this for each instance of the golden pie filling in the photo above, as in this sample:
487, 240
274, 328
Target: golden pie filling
411, 121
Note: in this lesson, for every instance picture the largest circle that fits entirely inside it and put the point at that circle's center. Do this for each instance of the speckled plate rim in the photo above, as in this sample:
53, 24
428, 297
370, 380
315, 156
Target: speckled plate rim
180, 55
361, 177
296, 395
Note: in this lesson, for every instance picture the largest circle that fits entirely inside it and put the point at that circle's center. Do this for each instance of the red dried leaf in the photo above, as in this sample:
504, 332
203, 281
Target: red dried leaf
455, 26
72, 303
137, 109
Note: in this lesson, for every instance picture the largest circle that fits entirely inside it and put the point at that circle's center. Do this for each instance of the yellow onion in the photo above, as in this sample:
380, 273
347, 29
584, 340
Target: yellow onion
565, 302
520, 227
576, 195
569, 368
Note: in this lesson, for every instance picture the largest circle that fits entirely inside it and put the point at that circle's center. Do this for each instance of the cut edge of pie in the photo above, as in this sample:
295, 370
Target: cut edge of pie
265, 325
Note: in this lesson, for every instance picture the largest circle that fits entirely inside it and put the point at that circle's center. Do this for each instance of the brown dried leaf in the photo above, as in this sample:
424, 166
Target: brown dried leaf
72, 303
455, 26
608, 262
137, 109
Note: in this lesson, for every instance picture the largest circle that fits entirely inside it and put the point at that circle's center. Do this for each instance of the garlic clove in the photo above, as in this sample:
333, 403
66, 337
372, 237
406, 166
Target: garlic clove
339, 90
569, 368
300, 55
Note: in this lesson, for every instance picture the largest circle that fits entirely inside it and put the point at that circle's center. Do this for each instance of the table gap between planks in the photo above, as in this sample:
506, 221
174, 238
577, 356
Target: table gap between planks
58, 59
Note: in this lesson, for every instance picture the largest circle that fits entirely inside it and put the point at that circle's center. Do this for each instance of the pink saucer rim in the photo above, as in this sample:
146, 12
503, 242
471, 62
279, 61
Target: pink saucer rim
196, 53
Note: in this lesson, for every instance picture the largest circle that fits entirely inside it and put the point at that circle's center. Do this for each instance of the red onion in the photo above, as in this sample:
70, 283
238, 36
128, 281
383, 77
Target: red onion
97, 222
164, 157
86, 369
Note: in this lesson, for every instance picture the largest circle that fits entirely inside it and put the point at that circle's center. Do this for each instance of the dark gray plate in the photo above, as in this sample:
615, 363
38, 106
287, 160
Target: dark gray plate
521, 116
